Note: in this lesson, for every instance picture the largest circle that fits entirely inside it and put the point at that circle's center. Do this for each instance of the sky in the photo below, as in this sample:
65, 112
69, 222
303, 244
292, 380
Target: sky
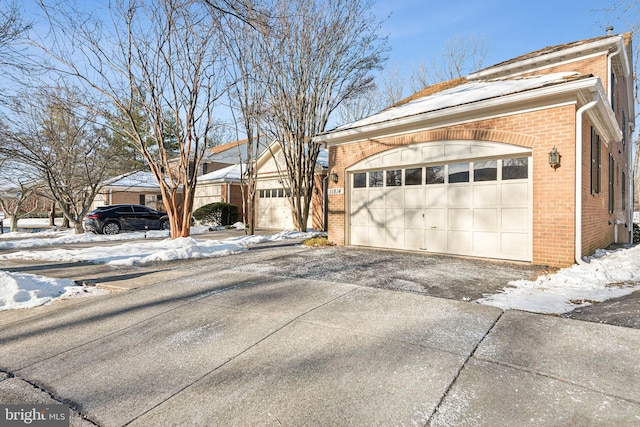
419, 29
605, 275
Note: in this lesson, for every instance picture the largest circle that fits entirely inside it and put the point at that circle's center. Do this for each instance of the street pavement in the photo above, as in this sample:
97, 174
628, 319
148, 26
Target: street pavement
244, 341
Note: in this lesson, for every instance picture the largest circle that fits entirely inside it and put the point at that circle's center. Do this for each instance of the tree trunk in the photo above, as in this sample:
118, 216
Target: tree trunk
13, 223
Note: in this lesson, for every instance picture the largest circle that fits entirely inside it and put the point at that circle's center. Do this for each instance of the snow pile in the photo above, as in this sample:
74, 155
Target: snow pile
140, 253
608, 274
52, 238
28, 290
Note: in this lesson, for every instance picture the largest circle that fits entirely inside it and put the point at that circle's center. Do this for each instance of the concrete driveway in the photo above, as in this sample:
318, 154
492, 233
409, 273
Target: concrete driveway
287, 335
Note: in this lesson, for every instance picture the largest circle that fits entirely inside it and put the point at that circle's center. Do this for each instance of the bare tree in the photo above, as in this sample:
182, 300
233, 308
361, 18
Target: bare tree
62, 146
389, 90
460, 55
12, 29
18, 196
320, 53
243, 41
158, 57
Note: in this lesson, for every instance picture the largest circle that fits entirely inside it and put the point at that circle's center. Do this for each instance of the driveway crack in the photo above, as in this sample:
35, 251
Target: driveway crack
464, 364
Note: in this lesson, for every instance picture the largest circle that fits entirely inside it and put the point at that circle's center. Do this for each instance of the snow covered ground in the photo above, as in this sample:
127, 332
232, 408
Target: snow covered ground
606, 275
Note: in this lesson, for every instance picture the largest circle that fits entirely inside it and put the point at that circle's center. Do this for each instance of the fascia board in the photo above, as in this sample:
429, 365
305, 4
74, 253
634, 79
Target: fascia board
508, 104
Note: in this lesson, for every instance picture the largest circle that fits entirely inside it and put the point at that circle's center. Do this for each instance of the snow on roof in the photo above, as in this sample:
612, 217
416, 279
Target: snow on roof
462, 94
230, 173
132, 180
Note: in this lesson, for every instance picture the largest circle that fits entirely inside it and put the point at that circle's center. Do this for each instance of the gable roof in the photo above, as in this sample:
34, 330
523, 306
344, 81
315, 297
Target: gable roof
462, 93
140, 179
553, 55
229, 174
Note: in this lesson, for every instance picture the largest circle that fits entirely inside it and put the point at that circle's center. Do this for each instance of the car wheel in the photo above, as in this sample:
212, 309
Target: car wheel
164, 225
111, 228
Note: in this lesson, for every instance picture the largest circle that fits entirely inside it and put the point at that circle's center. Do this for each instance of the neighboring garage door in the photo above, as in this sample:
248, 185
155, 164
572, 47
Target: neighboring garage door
274, 209
477, 207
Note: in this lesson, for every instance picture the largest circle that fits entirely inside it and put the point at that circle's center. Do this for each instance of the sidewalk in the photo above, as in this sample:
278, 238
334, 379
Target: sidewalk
220, 346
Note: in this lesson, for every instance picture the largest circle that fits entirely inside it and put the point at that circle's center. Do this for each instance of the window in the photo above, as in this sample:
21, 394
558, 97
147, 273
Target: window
435, 175
281, 192
375, 179
458, 172
485, 171
596, 162
612, 177
623, 188
515, 168
394, 178
261, 194
624, 128
142, 199
359, 180
413, 176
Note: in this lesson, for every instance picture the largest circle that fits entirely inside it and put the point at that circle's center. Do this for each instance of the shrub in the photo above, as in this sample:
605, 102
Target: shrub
217, 214
318, 241
636, 233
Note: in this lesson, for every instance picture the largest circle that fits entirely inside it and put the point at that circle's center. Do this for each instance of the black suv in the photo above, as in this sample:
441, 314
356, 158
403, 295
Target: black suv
113, 218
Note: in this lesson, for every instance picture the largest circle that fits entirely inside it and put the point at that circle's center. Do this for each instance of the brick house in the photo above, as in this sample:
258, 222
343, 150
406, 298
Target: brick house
465, 167
136, 188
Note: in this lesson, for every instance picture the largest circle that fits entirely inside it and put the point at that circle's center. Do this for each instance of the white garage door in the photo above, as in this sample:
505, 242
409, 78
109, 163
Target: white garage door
474, 207
274, 209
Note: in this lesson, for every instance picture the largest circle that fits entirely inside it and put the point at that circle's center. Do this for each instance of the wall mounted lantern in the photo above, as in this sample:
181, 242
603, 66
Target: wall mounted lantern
554, 158
333, 177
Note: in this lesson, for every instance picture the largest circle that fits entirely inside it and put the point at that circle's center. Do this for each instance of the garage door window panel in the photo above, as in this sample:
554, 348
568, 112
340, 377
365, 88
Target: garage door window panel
515, 168
376, 179
413, 176
485, 171
435, 175
394, 178
359, 180
458, 173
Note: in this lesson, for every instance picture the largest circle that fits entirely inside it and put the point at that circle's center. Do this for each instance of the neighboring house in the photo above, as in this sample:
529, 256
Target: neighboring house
222, 185
467, 167
138, 188
273, 208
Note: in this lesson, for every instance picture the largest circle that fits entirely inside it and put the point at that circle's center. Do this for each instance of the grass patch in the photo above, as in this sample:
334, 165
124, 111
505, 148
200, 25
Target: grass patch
319, 241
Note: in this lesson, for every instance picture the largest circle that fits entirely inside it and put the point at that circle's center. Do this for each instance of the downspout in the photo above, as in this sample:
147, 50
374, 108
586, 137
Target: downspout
609, 67
578, 186
324, 203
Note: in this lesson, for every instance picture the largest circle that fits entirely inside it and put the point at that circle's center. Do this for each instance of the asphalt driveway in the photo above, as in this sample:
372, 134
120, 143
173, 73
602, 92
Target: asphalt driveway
289, 335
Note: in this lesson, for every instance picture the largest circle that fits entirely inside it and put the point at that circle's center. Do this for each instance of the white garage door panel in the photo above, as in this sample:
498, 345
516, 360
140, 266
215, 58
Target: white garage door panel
414, 238
414, 197
414, 218
459, 241
515, 219
377, 217
435, 218
376, 198
460, 219
515, 193
485, 219
486, 243
459, 195
512, 243
360, 235
436, 196
395, 197
360, 216
377, 236
485, 195
395, 217
435, 240
395, 237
